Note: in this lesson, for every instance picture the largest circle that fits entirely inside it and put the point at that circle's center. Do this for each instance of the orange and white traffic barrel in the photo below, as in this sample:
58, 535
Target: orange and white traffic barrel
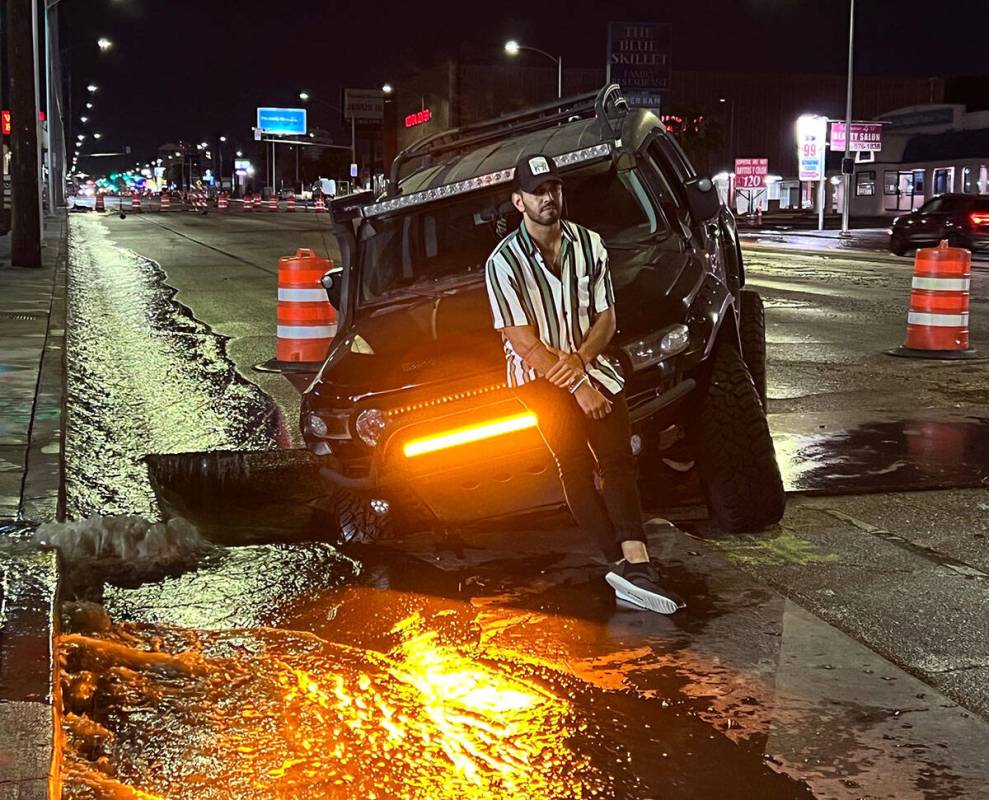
937, 322
248, 202
135, 203
100, 202
320, 204
307, 322
222, 203
273, 203
166, 201
290, 205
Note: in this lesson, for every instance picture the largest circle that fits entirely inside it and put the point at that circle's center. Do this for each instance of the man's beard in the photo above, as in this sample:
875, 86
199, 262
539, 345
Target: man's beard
547, 215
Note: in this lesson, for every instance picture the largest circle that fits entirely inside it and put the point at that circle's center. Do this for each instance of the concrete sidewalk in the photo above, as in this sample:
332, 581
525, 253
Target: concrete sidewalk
32, 388
32, 335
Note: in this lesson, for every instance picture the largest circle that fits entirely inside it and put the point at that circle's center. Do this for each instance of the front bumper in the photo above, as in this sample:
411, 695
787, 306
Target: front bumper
499, 477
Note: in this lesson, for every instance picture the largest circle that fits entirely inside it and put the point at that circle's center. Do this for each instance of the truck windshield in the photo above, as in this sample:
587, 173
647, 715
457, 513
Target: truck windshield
415, 251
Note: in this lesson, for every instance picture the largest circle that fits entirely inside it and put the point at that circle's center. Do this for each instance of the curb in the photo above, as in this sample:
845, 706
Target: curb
43, 490
30, 748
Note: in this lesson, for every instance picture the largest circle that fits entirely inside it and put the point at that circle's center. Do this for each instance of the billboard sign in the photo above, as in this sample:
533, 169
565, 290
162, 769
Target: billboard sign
364, 105
750, 173
282, 121
866, 137
812, 133
639, 60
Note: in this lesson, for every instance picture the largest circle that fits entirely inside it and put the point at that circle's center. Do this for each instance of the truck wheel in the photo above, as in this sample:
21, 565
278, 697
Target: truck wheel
357, 521
752, 329
735, 450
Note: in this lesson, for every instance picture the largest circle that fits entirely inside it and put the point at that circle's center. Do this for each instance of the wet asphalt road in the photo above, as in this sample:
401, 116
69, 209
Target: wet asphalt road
785, 672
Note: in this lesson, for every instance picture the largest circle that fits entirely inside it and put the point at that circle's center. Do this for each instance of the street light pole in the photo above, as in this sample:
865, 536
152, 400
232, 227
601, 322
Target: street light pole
846, 176
512, 48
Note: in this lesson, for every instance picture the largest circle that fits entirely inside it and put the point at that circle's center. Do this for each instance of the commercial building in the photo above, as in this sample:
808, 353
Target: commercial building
926, 150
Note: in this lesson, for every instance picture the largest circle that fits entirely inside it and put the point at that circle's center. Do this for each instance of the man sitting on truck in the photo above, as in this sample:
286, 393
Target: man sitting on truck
552, 300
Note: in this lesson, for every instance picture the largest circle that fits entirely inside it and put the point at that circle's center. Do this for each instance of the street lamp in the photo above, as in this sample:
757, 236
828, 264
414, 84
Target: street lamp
305, 97
89, 106
731, 131
84, 120
97, 135
104, 44
387, 88
92, 88
513, 48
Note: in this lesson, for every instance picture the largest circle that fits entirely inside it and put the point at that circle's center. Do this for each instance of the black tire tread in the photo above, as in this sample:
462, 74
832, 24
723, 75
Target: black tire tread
736, 454
357, 522
752, 331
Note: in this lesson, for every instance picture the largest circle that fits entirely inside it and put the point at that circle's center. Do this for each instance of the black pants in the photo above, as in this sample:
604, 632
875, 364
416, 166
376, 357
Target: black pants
575, 441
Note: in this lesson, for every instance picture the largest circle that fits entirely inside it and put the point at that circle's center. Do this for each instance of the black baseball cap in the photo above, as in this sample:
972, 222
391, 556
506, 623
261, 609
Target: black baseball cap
532, 170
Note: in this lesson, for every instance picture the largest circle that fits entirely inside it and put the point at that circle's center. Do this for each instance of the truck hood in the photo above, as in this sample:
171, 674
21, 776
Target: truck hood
422, 339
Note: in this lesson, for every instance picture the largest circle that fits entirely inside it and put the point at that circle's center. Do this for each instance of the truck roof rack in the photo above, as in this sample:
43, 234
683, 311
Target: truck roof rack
607, 105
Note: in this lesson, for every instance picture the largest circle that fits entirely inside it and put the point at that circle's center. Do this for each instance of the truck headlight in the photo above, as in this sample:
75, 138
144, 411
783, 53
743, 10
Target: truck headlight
369, 425
654, 348
317, 425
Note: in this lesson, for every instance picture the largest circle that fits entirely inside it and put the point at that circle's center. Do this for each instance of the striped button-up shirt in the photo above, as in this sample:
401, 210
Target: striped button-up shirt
524, 291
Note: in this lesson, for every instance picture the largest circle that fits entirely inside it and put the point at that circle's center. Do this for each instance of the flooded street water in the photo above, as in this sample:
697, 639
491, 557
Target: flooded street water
144, 377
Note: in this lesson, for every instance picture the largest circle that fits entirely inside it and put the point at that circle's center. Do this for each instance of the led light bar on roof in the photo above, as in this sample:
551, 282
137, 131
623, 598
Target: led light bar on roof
473, 184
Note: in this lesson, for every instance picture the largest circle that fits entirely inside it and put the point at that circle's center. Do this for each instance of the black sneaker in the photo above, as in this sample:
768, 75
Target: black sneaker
637, 585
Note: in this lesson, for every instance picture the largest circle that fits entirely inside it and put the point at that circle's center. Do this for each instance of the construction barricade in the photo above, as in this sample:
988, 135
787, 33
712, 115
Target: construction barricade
273, 203
290, 203
320, 204
135, 203
248, 202
307, 322
937, 323
166, 201
222, 203
100, 202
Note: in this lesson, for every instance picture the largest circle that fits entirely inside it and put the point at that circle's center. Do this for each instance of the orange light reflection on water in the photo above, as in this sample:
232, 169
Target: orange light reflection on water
425, 720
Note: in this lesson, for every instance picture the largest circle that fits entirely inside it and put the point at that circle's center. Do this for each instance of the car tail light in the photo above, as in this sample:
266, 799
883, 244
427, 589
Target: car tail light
978, 218
470, 433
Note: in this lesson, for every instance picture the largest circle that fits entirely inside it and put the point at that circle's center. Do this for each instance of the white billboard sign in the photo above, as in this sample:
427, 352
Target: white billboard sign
364, 104
812, 134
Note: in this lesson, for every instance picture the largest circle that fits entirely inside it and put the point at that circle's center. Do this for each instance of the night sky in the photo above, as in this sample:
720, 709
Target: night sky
198, 68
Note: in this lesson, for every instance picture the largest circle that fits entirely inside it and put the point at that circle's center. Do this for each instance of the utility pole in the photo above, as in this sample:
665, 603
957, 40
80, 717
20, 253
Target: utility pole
22, 40
846, 162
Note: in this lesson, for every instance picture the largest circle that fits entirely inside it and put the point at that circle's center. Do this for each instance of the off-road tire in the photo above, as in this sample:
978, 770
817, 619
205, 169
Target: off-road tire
752, 330
735, 450
356, 522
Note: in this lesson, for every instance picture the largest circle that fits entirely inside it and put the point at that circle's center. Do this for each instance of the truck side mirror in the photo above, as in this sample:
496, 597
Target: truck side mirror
702, 199
332, 282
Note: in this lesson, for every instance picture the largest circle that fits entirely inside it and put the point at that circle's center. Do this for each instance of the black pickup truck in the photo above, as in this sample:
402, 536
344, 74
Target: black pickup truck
410, 416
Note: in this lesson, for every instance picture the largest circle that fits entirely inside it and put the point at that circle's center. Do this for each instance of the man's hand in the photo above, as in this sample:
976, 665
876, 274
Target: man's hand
566, 370
593, 403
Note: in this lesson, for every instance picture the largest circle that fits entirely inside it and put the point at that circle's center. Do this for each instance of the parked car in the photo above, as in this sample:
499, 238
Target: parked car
416, 362
962, 219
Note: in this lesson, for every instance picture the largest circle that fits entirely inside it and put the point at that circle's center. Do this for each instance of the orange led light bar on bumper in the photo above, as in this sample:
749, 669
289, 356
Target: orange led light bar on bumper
470, 433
